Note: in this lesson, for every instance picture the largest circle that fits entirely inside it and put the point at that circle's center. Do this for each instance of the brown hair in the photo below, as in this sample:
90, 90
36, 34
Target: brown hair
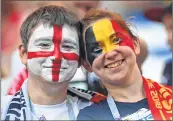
94, 15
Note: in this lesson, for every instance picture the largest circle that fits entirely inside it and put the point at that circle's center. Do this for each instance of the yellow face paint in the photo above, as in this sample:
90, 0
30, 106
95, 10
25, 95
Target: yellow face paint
105, 35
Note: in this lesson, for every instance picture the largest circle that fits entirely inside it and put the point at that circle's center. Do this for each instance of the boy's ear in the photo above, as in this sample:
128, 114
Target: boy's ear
86, 65
23, 54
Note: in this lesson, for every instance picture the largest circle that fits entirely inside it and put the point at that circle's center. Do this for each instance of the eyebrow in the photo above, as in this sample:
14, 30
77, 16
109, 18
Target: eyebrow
112, 36
42, 39
70, 41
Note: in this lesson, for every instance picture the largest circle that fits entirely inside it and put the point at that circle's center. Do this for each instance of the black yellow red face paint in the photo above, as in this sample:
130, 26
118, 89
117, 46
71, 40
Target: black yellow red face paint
104, 36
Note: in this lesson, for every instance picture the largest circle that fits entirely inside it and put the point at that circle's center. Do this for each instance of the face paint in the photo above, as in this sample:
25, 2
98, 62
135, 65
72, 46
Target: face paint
53, 51
104, 36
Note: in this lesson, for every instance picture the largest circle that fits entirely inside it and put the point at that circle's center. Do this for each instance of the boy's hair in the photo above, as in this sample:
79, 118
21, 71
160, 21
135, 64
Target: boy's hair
94, 15
48, 14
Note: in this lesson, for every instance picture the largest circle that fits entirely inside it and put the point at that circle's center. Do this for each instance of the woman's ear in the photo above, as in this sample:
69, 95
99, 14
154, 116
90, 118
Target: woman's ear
143, 52
136, 44
23, 54
86, 65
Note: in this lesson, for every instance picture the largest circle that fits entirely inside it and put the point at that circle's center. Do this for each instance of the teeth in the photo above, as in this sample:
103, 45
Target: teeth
113, 65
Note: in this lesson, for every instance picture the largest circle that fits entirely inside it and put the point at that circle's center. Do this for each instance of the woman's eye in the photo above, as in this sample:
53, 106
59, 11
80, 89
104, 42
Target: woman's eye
116, 40
97, 49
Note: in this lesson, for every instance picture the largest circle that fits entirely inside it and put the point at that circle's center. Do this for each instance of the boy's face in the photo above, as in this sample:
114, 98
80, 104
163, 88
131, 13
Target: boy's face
53, 52
110, 50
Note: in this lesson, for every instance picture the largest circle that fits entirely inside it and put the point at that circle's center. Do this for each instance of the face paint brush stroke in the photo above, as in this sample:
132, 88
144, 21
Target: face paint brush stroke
48, 60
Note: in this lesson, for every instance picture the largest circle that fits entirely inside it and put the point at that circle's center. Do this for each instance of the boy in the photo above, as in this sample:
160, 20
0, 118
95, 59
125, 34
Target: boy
50, 51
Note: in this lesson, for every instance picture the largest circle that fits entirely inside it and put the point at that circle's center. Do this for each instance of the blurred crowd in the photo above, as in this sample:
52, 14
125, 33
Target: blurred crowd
155, 59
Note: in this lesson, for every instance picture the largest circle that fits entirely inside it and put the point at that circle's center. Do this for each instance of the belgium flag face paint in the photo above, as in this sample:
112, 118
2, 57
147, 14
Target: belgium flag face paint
104, 36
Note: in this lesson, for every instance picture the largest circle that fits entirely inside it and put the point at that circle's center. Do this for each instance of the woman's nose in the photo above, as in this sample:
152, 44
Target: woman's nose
111, 54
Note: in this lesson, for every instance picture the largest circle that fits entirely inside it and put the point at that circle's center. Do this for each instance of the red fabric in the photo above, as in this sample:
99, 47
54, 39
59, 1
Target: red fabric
17, 82
98, 97
10, 32
159, 99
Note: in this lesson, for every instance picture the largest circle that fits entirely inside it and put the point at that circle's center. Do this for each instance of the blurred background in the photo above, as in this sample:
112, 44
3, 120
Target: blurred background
153, 35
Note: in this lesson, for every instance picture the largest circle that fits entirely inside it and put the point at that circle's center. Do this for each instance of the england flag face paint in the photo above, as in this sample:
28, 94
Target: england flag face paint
53, 52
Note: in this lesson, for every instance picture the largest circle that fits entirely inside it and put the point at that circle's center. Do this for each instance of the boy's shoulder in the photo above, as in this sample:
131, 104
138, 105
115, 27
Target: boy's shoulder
5, 101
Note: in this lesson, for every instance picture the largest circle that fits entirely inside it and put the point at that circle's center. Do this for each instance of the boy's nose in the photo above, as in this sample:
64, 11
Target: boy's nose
57, 54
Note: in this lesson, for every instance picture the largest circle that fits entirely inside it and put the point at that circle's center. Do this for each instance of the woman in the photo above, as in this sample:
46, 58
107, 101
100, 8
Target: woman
110, 52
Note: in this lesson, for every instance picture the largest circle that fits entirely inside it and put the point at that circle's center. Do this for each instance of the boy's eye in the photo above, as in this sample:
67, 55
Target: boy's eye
116, 40
68, 47
44, 45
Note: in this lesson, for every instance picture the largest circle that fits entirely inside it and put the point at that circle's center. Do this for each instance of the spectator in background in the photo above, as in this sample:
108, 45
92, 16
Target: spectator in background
13, 13
10, 38
164, 15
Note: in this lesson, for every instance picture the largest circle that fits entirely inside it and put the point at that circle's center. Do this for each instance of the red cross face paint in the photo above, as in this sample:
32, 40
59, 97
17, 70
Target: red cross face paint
53, 52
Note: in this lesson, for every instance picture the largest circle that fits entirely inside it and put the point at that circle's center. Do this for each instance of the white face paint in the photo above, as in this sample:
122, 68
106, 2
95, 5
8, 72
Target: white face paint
53, 52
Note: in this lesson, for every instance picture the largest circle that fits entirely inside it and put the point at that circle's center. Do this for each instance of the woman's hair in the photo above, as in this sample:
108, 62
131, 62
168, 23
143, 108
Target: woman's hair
94, 15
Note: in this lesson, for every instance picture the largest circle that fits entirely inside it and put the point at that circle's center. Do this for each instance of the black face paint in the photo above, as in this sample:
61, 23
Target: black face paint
93, 50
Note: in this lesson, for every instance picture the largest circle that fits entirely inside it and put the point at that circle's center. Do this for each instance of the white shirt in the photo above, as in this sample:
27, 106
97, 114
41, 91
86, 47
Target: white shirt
51, 112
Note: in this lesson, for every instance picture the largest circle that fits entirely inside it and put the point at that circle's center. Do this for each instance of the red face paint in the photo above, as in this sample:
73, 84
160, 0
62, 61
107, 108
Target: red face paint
127, 40
56, 63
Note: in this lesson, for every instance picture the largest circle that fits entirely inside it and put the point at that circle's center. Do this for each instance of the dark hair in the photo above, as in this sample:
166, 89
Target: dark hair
94, 15
48, 14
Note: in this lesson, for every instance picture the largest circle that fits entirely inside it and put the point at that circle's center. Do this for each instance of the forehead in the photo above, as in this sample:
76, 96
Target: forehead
70, 33
104, 28
103, 25
47, 31
42, 30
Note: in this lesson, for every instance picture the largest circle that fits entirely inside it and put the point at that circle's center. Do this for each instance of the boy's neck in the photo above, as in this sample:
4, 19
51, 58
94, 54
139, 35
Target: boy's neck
45, 93
131, 92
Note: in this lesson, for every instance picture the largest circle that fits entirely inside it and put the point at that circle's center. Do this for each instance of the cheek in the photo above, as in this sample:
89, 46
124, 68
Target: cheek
71, 68
130, 56
34, 65
128, 43
97, 63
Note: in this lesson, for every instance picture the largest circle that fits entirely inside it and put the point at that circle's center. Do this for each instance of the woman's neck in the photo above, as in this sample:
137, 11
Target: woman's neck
46, 93
129, 92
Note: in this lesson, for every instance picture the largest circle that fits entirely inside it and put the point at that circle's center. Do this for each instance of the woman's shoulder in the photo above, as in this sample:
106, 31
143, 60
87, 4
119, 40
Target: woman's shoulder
94, 109
96, 106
